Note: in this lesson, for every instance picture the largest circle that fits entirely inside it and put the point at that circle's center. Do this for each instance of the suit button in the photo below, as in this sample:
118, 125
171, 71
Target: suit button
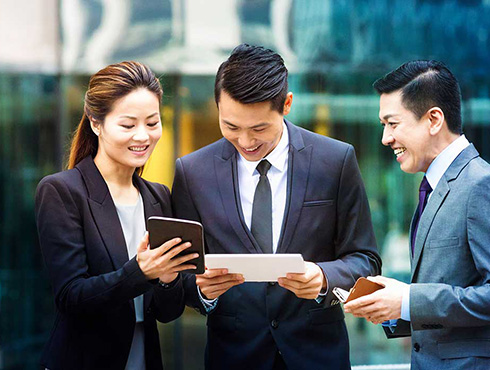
416, 347
272, 283
274, 323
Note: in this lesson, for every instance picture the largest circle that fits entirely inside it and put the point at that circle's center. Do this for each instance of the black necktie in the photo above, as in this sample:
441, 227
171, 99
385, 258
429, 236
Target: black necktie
424, 191
262, 209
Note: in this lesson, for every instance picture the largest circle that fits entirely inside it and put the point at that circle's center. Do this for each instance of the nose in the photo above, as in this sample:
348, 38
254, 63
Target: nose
141, 134
387, 138
245, 140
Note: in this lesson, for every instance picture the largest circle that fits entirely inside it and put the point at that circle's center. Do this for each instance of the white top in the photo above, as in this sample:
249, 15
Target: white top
248, 178
132, 218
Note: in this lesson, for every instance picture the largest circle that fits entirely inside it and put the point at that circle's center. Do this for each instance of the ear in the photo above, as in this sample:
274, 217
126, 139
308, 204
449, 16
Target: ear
287, 104
95, 126
436, 120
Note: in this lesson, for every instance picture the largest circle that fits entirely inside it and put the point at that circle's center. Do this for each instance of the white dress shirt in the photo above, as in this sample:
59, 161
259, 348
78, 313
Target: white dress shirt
248, 178
434, 174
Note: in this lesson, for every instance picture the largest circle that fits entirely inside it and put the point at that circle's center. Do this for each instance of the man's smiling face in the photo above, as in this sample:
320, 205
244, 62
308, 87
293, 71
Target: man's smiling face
253, 129
409, 137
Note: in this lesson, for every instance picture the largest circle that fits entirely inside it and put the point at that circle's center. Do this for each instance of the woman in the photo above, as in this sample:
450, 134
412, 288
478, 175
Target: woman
109, 287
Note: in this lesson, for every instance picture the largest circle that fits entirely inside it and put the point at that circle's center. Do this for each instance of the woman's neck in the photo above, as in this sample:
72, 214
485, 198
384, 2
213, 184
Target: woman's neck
119, 179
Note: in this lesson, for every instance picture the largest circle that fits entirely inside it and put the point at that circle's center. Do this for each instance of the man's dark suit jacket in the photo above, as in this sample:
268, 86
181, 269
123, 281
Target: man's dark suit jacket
327, 220
94, 283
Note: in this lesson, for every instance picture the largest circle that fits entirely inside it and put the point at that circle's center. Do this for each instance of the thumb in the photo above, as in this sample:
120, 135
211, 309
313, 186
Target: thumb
143, 244
379, 279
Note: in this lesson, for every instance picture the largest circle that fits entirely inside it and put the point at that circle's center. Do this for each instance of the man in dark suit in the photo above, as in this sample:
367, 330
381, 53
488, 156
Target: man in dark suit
271, 187
448, 300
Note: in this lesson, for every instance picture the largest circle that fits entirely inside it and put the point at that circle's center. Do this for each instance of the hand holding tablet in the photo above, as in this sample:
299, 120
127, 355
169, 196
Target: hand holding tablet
257, 267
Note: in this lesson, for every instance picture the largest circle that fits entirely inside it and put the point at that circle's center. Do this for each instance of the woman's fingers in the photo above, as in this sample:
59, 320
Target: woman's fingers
176, 250
143, 246
165, 247
182, 259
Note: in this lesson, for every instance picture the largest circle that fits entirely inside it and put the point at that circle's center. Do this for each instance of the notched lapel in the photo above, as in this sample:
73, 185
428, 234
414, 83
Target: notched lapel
437, 199
104, 212
426, 220
107, 221
151, 205
227, 182
298, 171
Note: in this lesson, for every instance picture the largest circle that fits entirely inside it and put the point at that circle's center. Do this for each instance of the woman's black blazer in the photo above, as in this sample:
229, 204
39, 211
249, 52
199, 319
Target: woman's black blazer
93, 280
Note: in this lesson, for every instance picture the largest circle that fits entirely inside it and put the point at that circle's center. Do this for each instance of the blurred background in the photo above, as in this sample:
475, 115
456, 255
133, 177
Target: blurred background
334, 51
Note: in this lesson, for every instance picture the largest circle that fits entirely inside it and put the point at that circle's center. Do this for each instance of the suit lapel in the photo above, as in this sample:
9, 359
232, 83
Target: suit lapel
226, 173
151, 205
298, 171
104, 212
430, 211
437, 199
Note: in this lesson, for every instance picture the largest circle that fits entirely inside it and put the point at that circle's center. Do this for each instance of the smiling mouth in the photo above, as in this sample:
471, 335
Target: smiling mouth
251, 150
138, 148
399, 151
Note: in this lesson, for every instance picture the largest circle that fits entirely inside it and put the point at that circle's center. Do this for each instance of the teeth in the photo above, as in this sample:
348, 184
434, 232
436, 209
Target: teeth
251, 150
137, 148
399, 151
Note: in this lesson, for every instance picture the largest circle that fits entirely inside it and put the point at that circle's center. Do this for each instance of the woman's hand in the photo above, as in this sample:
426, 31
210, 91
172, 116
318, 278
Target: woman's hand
160, 262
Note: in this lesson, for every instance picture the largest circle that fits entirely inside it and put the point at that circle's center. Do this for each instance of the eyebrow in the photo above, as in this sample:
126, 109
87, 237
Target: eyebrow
134, 118
387, 116
255, 126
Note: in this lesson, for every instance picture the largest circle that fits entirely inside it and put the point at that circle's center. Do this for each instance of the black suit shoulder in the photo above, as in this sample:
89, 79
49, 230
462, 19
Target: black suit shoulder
209, 151
324, 142
68, 185
69, 178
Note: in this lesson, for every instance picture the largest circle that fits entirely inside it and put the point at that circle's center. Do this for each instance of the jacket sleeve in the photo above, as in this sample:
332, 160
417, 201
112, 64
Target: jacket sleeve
437, 305
355, 245
184, 208
61, 236
167, 301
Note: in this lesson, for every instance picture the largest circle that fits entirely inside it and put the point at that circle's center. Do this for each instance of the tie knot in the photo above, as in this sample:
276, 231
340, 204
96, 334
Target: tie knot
425, 186
263, 167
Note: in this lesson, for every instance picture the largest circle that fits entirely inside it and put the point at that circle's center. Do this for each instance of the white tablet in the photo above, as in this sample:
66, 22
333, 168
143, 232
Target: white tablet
257, 267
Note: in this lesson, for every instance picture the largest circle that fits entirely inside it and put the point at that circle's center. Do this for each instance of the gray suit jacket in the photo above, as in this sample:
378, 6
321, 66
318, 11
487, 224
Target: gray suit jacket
450, 291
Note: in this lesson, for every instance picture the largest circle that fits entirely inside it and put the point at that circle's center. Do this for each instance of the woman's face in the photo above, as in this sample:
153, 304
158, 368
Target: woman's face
130, 131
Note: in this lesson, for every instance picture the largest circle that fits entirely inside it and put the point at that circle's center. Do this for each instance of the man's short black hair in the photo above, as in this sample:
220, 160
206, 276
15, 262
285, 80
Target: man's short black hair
425, 84
253, 74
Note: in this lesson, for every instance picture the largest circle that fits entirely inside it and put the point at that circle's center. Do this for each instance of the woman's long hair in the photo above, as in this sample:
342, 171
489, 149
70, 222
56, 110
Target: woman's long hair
105, 87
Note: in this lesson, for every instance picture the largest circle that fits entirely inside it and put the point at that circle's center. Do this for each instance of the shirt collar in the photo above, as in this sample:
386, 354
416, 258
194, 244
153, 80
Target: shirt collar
442, 162
278, 158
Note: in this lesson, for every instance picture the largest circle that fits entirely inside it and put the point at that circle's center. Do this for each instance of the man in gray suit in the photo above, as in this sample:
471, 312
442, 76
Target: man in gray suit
447, 302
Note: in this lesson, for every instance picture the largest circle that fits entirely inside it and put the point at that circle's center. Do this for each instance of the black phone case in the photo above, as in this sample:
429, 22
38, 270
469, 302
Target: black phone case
162, 229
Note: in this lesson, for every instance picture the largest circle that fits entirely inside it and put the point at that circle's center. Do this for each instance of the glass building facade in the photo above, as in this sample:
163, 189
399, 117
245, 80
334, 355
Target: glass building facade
334, 51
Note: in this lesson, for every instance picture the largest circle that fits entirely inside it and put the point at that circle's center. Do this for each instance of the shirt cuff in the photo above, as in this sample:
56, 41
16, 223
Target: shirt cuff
405, 314
209, 304
323, 292
391, 324
320, 298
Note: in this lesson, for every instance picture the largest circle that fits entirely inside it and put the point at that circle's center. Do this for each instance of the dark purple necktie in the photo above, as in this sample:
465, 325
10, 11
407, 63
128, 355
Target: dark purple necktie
424, 191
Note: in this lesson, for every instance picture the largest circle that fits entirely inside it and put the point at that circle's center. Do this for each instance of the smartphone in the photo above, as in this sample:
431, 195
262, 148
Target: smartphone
162, 229
361, 288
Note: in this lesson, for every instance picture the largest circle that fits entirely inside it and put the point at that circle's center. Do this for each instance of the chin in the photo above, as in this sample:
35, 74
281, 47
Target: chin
408, 170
